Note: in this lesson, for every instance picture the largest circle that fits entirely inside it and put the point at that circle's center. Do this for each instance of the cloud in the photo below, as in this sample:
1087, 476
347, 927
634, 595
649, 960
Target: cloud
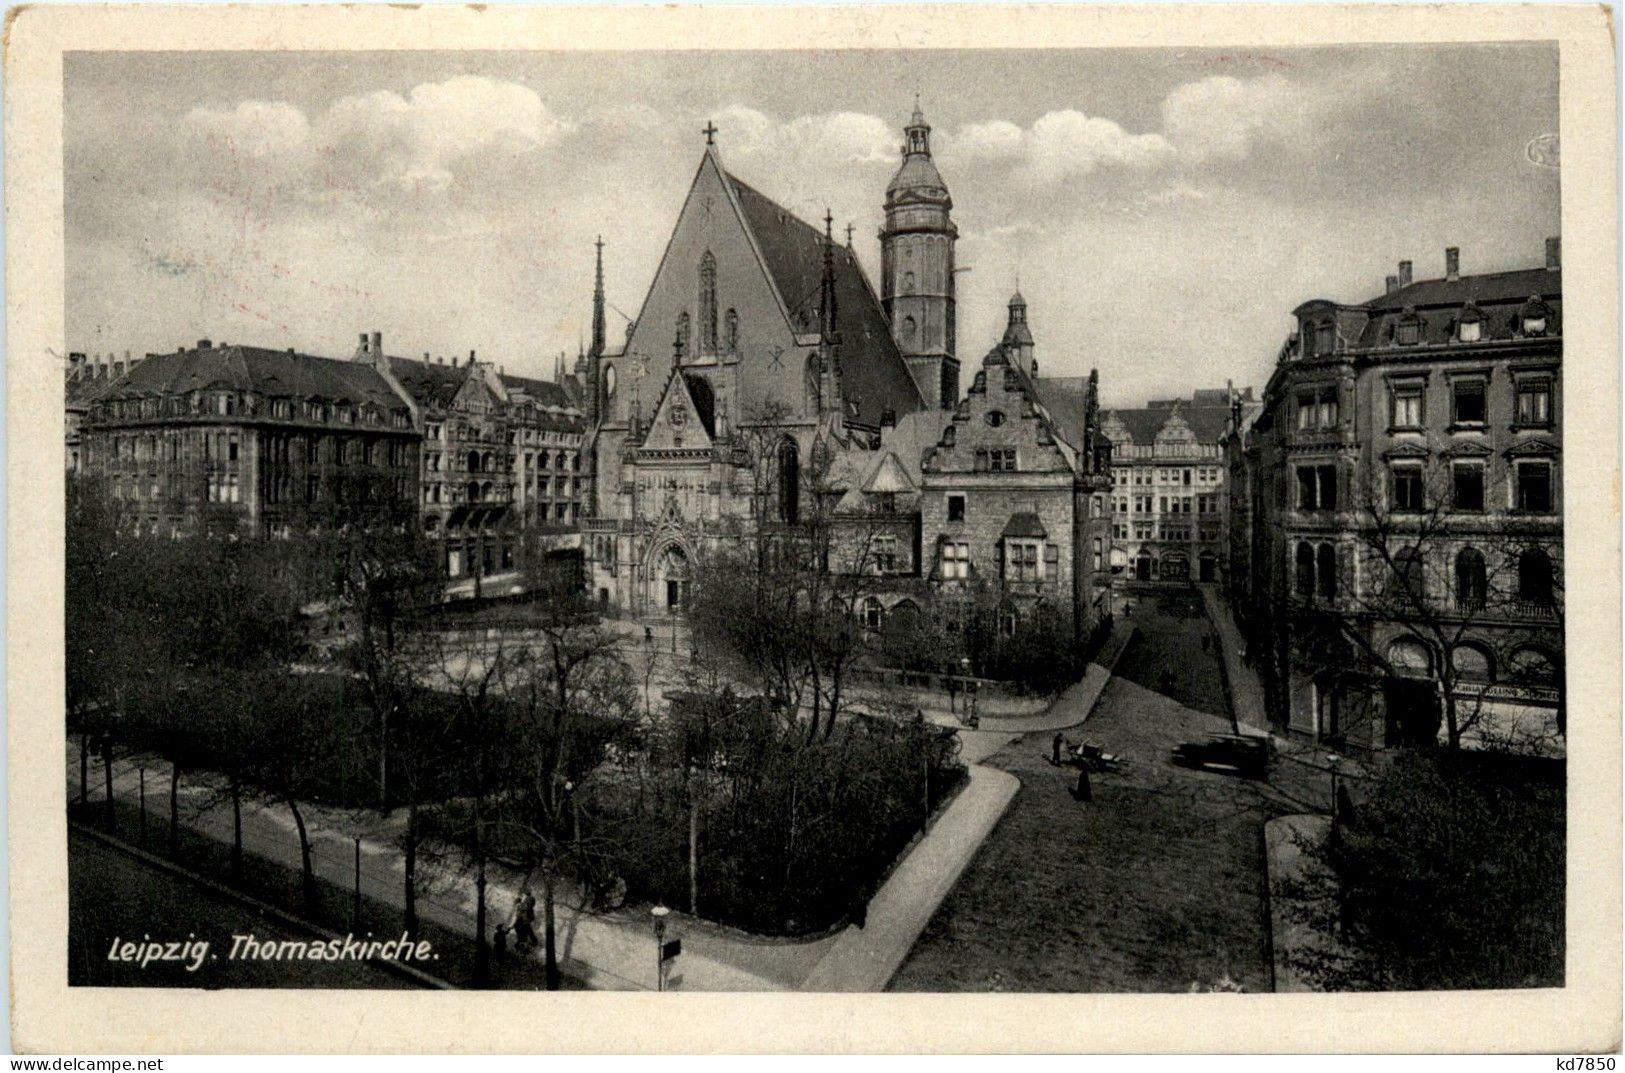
463, 131
1060, 145
841, 138
1227, 118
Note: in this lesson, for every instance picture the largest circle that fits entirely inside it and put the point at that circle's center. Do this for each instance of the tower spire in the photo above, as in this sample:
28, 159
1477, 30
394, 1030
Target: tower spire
598, 300
826, 289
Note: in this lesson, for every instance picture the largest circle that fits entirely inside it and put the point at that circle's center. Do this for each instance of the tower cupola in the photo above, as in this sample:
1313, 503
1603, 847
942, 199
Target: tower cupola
1018, 338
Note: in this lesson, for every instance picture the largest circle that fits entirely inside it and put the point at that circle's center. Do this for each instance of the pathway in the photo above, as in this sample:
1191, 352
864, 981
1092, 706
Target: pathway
1246, 691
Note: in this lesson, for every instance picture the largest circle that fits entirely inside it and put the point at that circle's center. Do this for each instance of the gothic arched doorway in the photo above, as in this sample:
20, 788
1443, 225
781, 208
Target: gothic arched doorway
670, 579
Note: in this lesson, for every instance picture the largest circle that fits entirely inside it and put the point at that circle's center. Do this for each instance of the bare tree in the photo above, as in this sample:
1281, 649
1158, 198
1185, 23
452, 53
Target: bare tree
1411, 558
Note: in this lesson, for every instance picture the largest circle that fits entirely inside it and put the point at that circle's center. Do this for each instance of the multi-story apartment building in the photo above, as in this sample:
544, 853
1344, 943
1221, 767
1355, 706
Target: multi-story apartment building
285, 439
1169, 485
501, 457
1405, 485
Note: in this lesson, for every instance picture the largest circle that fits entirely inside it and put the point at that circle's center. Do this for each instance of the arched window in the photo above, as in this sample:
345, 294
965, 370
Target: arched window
789, 467
473, 491
487, 462
909, 328
905, 612
1535, 577
1305, 572
873, 613
1326, 571
1472, 586
1410, 658
730, 326
908, 283
473, 461
609, 381
1410, 576
1472, 663
708, 303
1532, 665
486, 491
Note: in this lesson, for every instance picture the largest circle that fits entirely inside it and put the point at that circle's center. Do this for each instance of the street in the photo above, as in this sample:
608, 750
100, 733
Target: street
116, 896
1157, 884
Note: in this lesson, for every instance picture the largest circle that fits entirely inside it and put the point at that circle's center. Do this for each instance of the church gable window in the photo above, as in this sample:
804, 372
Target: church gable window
730, 324
708, 303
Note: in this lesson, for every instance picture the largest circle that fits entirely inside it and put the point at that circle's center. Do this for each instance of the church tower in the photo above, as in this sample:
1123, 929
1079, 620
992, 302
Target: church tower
917, 268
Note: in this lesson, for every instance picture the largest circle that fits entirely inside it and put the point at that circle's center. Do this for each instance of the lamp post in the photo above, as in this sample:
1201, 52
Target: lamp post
1332, 760
659, 913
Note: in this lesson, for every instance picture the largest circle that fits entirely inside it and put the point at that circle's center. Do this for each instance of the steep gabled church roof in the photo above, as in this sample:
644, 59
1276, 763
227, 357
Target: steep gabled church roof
873, 372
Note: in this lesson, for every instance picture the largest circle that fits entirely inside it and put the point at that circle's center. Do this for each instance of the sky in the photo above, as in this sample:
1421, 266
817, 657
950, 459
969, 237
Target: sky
1164, 210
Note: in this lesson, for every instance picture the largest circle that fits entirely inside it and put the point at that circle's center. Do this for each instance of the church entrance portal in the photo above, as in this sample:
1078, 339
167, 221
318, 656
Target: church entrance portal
671, 580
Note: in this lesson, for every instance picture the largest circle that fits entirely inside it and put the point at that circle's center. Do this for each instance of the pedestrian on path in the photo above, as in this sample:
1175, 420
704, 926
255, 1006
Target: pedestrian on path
1055, 749
1081, 791
499, 940
524, 916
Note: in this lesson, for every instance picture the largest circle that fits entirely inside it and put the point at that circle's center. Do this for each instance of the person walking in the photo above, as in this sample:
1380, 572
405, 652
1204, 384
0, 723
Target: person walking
1055, 749
1082, 792
524, 916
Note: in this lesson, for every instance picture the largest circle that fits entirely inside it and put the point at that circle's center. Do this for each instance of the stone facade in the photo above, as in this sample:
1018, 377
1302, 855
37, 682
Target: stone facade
1169, 484
1406, 479
285, 440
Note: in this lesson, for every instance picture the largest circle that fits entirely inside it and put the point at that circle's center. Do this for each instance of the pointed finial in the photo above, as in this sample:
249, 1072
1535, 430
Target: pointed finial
829, 221
710, 132
849, 234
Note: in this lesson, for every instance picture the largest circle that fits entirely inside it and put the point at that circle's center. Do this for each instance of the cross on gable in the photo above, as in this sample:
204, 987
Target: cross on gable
709, 130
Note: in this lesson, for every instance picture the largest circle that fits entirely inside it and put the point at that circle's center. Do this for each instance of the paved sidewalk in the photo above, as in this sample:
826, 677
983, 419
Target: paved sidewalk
864, 959
1246, 691
1301, 917
614, 950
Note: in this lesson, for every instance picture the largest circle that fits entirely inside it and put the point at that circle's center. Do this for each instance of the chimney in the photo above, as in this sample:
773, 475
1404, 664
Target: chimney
1404, 273
1452, 263
888, 418
361, 347
426, 357
1390, 284
378, 346
1554, 253
471, 357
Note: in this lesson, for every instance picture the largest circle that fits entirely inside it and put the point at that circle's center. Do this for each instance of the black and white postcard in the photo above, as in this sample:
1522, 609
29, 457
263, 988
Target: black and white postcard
867, 522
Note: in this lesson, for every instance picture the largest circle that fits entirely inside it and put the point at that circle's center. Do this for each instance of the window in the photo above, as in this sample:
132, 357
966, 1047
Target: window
1472, 583
1471, 331
1326, 572
1533, 666
872, 613
682, 332
1535, 577
789, 467
1410, 575
1097, 555
996, 460
730, 323
1407, 488
1021, 561
1467, 481
955, 561
1328, 408
885, 555
1187, 475
1534, 491
908, 329
1408, 331
708, 303
1535, 403
1304, 571
1317, 487
1407, 412
956, 508
1324, 336
1472, 663
1469, 402
995, 418
1306, 411
609, 381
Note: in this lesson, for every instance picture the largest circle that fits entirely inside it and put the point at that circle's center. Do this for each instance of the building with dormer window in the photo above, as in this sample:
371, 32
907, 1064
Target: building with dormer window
1405, 477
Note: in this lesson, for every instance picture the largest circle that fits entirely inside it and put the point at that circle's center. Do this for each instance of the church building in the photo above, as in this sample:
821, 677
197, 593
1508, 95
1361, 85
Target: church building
760, 353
